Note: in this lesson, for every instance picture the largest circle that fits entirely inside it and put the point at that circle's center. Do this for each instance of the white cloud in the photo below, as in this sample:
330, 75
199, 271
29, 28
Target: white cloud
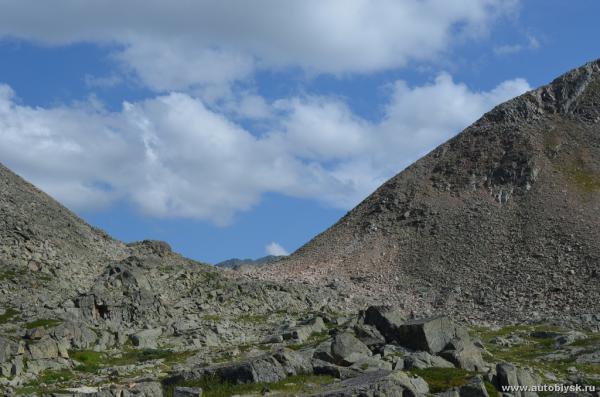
171, 156
184, 45
275, 249
508, 49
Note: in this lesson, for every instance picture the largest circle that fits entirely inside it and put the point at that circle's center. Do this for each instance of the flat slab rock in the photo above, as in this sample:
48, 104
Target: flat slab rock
379, 383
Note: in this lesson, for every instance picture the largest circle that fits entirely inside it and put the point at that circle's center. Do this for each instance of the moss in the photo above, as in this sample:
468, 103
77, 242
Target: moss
441, 379
9, 313
216, 387
44, 323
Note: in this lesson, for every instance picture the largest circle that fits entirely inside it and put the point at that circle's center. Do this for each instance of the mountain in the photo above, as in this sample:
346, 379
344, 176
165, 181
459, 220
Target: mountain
236, 263
502, 221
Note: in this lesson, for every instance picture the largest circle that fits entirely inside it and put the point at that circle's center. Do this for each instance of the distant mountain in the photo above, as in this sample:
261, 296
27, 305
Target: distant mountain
502, 220
236, 263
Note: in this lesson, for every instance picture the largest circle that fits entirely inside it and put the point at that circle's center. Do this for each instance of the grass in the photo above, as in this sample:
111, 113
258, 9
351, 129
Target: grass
43, 323
9, 313
92, 361
441, 379
216, 387
533, 350
46, 382
212, 317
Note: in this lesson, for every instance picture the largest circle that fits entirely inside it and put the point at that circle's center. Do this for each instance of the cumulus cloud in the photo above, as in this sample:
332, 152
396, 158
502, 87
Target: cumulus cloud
172, 156
275, 249
183, 45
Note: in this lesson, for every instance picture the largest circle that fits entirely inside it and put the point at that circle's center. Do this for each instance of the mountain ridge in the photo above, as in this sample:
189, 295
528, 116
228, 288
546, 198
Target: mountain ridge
515, 194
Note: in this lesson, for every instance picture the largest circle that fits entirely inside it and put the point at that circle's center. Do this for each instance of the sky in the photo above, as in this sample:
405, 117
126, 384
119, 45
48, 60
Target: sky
241, 129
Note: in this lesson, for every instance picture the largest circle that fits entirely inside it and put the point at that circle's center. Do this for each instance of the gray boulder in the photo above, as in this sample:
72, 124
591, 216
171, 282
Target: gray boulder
385, 319
420, 360
510, 375
304, 331
474, 388
187, 392
256, 370
147, 338
464, 354
431, 334
294, 363
379, 383
346, 349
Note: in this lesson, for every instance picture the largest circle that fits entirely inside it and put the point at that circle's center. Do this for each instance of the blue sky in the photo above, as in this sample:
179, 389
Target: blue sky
237, 129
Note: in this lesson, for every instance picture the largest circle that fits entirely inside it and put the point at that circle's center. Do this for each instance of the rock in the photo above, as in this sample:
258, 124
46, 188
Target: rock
509, 375
474, 388
76, 335
569, 337
187, 392
385, 319
420, 360
321, 367
256, 370
346, 349
36, 333
369, 335
589, 358
303, 332
45, 349
464, 354
379, 383
8, 349
147, 338
295, 363
431, 334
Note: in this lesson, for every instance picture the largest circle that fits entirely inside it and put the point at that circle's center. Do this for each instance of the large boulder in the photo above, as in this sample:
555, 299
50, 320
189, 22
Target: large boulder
346, 349
147, 338
379, 383
508, 376
385, 319
430, 334
475, 387
295, 362
262, 369
187, 392
420, 360
464, 354
304, 331
8, 349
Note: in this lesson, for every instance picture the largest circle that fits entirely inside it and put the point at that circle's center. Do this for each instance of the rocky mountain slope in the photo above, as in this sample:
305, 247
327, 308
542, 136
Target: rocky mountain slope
236, 263
502, 221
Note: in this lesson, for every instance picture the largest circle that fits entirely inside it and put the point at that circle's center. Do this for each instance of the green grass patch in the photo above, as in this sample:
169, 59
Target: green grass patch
43, 323
92, 361
8, 314
212, 317
216, 387
441, 379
